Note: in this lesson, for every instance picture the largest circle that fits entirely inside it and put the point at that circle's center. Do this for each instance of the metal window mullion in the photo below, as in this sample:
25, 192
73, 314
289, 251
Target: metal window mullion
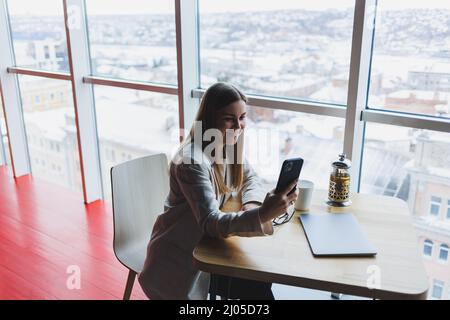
134, 85
363, 22
83, 98
186, 23
39, 73
406, 120
10, 94
323, 109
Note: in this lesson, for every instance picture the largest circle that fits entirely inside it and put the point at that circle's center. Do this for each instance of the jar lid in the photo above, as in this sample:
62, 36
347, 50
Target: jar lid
343, 162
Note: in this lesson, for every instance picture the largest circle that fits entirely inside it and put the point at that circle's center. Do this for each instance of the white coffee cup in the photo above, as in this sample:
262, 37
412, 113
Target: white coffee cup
305, 190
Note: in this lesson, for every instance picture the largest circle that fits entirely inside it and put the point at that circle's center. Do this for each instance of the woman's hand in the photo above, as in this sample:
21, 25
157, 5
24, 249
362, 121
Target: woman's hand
276, 204
250, 205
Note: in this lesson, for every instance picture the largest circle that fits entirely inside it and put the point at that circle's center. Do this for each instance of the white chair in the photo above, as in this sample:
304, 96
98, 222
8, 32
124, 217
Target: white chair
139, 188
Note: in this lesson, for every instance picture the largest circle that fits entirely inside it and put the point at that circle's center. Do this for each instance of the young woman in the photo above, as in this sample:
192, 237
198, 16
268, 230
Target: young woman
201, 181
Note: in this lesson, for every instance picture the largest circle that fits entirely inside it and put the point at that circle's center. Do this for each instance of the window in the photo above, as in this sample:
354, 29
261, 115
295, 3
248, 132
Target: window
428, 248
435, 205
133, 39
298, 49
46, 52
53, 122
38, 34
443, 253
410, 65
133, 122
386, 156
448, 209
275, 135
438, 287
410, 164
406, 163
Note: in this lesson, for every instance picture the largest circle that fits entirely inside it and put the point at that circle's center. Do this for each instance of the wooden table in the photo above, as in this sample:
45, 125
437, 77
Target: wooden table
285, 257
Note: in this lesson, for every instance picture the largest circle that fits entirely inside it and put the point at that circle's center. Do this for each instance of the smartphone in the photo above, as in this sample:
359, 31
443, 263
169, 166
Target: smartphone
289, 172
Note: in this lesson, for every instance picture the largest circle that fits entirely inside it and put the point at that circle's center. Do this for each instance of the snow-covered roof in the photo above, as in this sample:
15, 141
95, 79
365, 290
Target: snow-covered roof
419, 94
117, 122
433, 222
330, 93
436, 67
50, 123
382, 132
136, 126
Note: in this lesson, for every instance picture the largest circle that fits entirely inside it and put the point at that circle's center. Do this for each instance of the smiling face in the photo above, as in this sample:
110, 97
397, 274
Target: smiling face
230, 120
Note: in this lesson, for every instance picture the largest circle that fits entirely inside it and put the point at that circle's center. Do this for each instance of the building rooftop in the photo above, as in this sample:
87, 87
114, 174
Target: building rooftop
433, 224
419, 95
127, 124
437, 67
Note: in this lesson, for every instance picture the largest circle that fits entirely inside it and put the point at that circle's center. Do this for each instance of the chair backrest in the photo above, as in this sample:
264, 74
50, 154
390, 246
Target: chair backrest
139, 188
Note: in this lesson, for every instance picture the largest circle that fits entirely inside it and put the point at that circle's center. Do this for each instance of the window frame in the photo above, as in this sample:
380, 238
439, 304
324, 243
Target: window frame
428, 244
443, 247
447, 216
435, 203
437, 283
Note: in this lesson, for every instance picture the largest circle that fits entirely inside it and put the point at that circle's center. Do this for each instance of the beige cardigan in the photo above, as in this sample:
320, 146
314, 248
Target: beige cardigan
192, 210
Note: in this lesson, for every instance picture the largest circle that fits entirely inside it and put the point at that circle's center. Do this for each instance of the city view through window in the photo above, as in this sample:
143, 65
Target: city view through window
298, 50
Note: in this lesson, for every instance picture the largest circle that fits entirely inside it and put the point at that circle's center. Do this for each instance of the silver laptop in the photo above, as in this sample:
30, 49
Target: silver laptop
336, 234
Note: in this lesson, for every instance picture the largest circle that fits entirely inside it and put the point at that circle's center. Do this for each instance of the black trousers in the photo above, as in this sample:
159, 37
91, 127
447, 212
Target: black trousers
237, 288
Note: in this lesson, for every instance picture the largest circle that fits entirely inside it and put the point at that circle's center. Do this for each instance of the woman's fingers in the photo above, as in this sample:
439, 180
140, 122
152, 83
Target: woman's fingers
293, 196
289, 187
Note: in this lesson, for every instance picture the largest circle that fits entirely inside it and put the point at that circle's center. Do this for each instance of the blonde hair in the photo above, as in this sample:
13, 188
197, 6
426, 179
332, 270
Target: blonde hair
219, 96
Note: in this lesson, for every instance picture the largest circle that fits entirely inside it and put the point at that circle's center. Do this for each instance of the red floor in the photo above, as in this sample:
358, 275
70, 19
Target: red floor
44, 229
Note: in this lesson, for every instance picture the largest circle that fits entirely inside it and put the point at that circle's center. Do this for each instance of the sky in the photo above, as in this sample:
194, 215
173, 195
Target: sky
54, 7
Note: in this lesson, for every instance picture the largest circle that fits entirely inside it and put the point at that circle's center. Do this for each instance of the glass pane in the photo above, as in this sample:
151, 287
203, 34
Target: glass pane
434, 209
443, 254
299, 49
133, 124
38, 34
51, 130
275, 135
427, 249
411, 57
437, 289
412, 165
133, 39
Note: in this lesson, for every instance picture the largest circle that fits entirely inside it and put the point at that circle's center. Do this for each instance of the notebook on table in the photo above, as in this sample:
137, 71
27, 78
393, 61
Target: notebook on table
336, 234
